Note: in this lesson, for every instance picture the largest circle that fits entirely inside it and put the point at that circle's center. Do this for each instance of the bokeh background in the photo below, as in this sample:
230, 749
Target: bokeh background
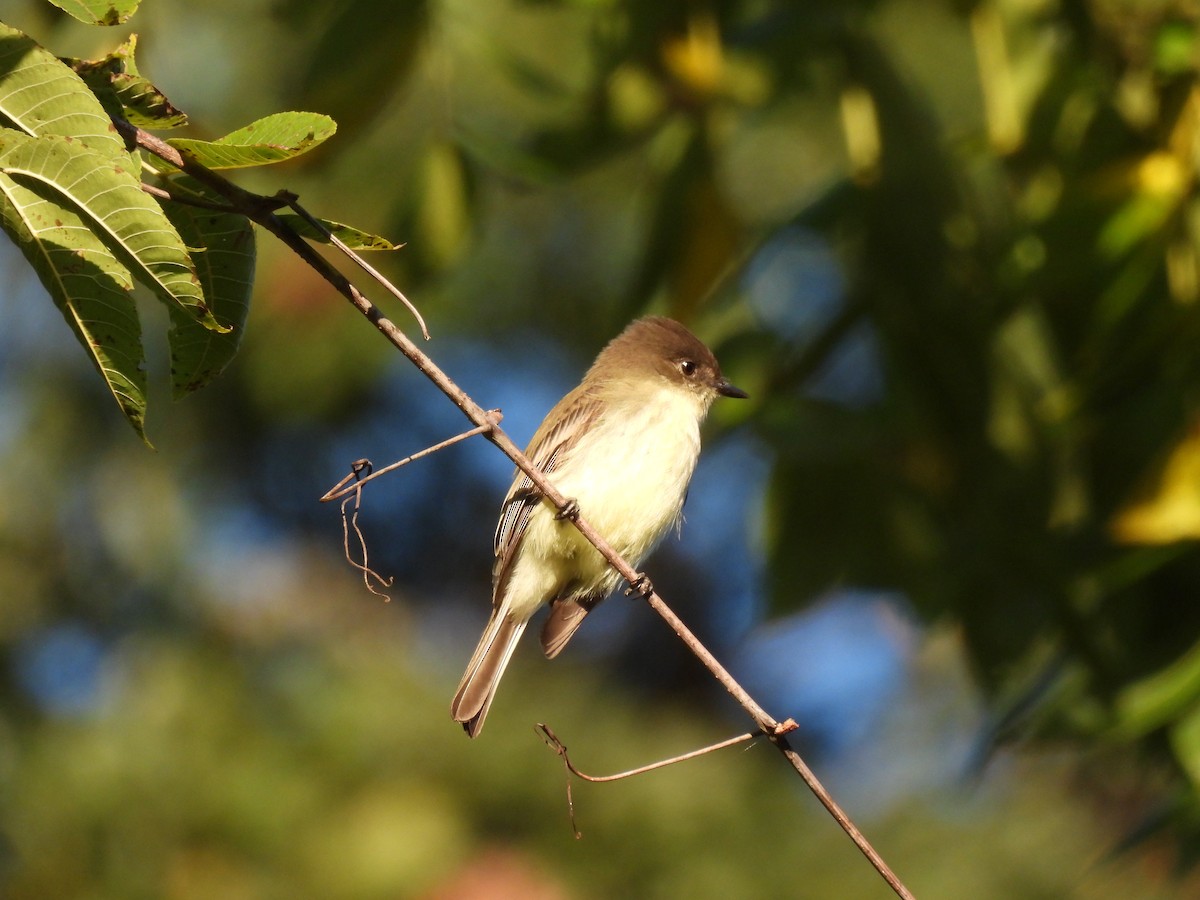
950, 249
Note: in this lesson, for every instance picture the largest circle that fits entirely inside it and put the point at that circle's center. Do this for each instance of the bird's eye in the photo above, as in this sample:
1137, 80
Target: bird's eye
687, 367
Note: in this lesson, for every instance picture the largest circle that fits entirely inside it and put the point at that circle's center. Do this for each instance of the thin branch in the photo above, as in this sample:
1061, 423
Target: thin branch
351, 523
341, 489
553, 742
294, 203
367, 572
199, 202
260, 210
560, 749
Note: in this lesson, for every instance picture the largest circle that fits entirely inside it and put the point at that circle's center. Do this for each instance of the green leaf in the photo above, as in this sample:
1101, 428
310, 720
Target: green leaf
111, 200
272, 139
89, 287
41, 95
1174, 47
98, 12
1185, 741
347, 234
1160, 698
223, 250
121, 89
1134, 222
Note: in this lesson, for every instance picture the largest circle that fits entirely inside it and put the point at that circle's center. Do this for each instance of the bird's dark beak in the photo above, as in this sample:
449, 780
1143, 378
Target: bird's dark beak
725, 389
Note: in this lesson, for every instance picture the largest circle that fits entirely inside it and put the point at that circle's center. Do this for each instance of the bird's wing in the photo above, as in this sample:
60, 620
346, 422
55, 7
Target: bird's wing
550, 448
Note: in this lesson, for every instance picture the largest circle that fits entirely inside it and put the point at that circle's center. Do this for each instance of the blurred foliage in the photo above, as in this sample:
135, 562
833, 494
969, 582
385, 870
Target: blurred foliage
950, 249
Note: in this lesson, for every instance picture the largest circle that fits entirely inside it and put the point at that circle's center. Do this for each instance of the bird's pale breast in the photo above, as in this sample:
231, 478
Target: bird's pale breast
629, 475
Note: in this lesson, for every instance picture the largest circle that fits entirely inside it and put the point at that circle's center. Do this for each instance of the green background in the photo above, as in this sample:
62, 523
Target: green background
996, 203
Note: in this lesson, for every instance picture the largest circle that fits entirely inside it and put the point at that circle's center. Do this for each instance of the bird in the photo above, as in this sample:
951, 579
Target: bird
622, 445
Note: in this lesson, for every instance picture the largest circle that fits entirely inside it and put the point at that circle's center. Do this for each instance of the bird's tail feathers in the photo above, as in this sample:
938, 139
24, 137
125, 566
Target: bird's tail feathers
478, 685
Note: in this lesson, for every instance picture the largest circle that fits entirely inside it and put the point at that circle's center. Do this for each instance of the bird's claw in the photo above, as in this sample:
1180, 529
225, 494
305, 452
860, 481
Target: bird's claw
569, 511
640, 587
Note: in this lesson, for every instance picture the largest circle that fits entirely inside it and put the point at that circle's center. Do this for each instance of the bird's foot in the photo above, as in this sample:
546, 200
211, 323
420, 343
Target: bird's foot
570, 511
640, 588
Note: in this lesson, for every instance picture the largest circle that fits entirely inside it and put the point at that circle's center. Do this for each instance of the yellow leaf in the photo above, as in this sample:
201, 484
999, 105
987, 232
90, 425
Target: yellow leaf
696, 58
1171, 511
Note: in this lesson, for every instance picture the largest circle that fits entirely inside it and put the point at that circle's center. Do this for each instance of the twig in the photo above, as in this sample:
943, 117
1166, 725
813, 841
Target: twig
553, 742
351, 522
261, 209
199, 202
568, 770
341, 489
294, 203
560, 749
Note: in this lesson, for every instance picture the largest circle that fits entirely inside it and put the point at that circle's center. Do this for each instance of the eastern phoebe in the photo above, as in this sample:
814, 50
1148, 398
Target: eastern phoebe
623, 446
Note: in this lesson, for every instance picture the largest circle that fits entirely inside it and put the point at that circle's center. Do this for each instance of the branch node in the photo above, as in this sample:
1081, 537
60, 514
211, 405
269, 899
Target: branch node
356, 475
784, 727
